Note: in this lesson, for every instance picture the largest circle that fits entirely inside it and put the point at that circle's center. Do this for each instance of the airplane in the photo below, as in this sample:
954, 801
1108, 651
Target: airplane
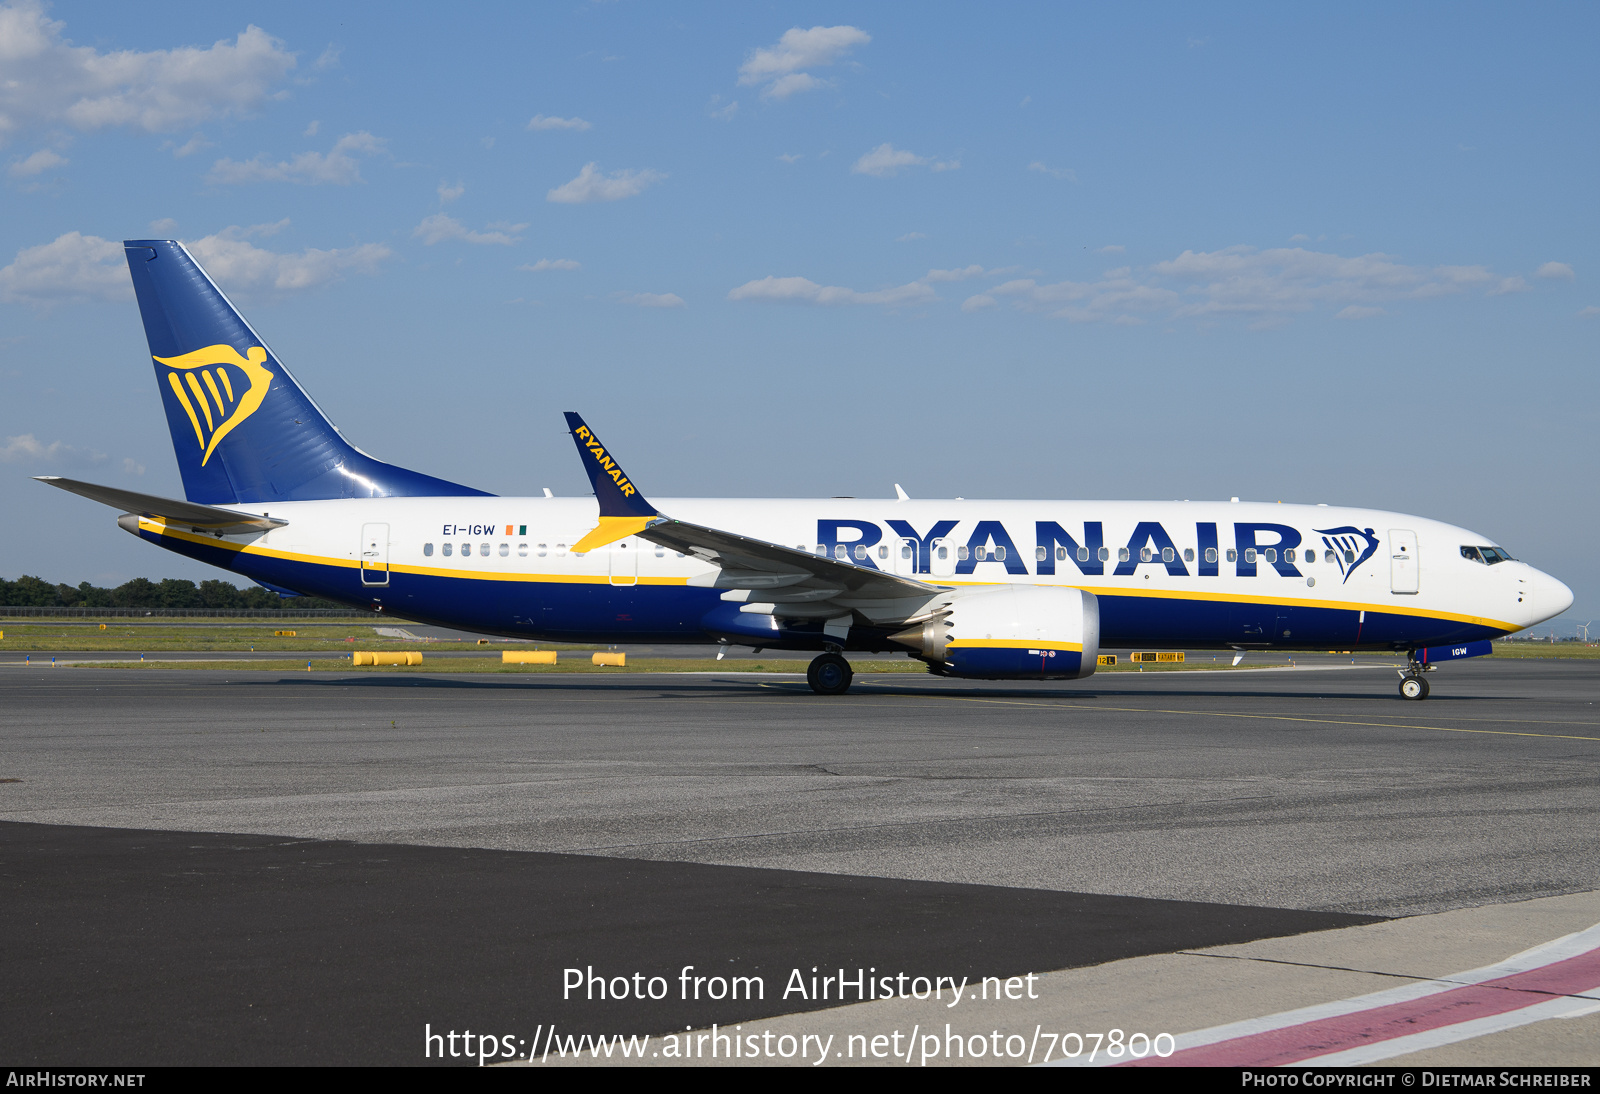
1008, 590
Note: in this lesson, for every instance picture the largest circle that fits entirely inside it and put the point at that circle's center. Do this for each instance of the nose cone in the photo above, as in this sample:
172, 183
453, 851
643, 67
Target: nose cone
1550, 597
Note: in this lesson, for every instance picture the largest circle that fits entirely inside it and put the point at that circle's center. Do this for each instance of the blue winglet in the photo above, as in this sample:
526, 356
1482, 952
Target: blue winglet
623, 510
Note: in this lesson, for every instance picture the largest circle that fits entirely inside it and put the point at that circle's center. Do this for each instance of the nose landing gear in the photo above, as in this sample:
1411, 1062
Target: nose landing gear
1413, 685
829, 674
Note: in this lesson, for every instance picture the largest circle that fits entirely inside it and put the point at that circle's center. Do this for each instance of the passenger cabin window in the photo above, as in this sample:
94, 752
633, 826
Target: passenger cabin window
883, 552
561, 550
1188, 554
1349, 556
1000, 554
522, 550
1040, 554
961, 552
483, 549
905, 550
1272, 554
1211, 554
861, 553
1168, 554
1122, 554
942, 553
1249, 554
1083, 553
1288, 555
543, 550
448, 549
466, 550
1105, 554
505, 549
980, 553
821, 550
427, 550
1144, 554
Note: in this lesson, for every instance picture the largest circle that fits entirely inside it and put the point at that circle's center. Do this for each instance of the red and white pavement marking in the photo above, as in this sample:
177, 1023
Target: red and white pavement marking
1559, 979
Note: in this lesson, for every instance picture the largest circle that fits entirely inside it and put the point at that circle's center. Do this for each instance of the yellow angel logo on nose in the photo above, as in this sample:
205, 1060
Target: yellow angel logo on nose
205, 375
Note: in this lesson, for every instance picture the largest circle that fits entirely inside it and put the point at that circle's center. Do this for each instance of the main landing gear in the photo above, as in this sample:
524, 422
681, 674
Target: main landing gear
829, 674
1413, 685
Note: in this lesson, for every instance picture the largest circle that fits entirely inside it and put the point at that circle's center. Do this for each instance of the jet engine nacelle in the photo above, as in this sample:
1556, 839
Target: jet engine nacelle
1012, 632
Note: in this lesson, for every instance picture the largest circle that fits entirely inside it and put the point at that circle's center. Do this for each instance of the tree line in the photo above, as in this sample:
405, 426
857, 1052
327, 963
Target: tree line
141, 592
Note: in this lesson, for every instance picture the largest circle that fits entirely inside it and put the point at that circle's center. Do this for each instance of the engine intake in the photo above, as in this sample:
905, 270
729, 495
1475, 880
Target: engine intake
1013, 632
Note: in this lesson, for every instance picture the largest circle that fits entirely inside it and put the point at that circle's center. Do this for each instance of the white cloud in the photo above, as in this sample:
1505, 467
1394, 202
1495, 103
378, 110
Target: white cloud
1267, 285
1358, 311
28, 449
725, 113
1066, 174
947, 165
652, 299
885, 161
1589, 313
311, 130
239, 266
964, 273
1509, 285
541, 121
550, 264
190, 146
802, 291
441, 227
780, 66
50, 82
792, 157
71, 266
1110, 249
329, 58
448, 193
131, 466
37, 164
594, 185
1556, 271
76, 266
338, 167
163, 227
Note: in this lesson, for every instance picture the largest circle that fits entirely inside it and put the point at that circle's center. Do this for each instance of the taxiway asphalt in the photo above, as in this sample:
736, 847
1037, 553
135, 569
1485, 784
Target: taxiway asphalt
1307, 793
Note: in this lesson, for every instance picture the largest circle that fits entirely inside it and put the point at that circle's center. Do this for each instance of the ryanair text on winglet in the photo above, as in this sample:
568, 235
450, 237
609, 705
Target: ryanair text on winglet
606, 463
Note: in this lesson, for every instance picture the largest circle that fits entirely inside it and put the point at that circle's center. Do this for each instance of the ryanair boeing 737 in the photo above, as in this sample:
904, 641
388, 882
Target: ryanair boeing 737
1015, 590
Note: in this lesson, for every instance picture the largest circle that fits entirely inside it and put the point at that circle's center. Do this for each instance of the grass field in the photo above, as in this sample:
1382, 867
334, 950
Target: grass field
329, 645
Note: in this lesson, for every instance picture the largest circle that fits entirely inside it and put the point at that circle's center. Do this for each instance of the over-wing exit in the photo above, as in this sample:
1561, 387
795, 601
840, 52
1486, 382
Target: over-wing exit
1024, 590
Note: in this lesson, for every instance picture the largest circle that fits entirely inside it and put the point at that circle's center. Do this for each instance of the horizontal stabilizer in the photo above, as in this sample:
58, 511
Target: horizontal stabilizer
202, 518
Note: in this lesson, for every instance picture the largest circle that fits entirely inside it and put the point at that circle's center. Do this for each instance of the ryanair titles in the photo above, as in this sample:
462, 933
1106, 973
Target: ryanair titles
1244, 547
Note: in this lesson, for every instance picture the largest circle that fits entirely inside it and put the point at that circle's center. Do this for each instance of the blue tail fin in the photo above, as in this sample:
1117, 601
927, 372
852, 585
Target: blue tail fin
244, 431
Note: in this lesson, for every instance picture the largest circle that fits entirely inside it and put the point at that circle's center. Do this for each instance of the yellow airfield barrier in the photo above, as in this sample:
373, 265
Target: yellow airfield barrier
528, 657
615, 660
102, 626
1106, 659
368, 657
1153, 658
275, 634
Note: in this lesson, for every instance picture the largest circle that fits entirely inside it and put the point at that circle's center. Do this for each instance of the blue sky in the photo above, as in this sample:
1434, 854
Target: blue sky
1161, 251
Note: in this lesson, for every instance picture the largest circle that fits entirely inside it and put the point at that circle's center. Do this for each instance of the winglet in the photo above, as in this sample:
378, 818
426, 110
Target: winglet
623, 510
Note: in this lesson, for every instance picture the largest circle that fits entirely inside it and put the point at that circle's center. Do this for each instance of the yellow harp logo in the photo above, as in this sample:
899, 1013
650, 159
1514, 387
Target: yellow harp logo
203, 374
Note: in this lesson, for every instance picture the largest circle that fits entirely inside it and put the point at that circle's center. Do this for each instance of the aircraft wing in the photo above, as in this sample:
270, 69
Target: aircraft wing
200, 518
765, 576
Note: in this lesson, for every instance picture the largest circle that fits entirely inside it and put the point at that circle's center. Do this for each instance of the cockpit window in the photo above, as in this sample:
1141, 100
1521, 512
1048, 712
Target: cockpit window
1471, 553
1489, 556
